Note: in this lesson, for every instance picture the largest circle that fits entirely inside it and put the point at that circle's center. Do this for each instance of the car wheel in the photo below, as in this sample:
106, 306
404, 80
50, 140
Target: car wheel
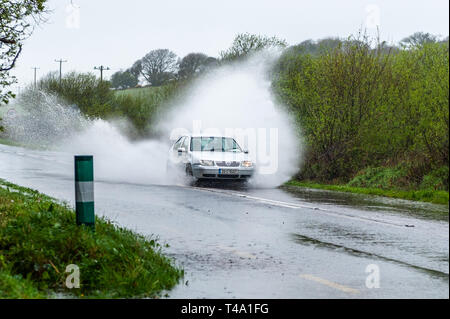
189, 170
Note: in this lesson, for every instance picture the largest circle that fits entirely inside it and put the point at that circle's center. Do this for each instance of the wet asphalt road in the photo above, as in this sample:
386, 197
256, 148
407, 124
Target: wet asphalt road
239, 242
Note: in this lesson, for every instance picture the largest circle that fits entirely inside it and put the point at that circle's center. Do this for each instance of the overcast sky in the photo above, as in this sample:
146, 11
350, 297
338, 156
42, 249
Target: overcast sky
115, 33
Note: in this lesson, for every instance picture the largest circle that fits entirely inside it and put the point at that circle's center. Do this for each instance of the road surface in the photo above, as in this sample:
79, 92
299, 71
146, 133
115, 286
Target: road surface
239, 242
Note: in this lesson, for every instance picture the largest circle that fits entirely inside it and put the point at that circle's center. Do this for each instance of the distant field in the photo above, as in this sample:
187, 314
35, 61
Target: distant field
159, 93
140, 92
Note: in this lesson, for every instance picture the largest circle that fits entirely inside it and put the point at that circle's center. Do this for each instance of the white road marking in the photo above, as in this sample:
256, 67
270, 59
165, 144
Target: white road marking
296, 206
330, 283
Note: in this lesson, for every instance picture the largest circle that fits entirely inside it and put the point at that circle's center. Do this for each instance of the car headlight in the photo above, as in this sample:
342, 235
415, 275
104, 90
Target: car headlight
206, 163
247, 164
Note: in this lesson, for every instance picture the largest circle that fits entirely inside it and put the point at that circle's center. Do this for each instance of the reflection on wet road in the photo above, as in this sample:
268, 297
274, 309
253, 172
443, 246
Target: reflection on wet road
237, 241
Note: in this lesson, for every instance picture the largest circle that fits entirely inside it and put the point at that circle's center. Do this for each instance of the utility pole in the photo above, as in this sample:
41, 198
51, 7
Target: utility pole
101, 68
60, 61
35, 68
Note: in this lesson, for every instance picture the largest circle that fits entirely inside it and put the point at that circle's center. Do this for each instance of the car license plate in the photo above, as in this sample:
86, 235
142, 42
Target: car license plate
228, 171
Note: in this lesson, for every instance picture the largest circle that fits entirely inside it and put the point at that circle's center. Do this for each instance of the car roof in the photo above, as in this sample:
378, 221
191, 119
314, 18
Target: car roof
208, 135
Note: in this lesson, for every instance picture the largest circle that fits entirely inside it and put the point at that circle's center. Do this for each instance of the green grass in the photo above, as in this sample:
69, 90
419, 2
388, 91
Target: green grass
5, 141
143, 92
9, 142
437, 197
17, 287
142, 106
39, 238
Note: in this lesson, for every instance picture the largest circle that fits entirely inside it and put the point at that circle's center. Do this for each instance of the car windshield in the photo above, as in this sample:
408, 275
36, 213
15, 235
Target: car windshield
214, 144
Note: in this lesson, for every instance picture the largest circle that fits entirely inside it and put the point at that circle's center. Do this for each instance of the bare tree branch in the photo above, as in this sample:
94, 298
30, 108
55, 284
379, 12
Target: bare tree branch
13, 61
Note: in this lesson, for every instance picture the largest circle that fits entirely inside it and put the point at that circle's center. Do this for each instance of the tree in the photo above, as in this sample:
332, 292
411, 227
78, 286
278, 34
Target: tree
136, 69
123, 80
246, 43
194, 63
16, 24
418, 39
157, 67
315, 47
16, 21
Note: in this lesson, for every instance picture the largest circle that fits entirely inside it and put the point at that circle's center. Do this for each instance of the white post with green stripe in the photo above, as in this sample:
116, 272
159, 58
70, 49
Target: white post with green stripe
84, 190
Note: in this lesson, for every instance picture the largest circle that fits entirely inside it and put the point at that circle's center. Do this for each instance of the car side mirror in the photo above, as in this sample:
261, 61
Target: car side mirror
245, 151
181, 150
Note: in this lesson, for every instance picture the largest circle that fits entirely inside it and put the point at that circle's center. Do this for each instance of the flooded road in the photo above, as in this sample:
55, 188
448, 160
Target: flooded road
240, 242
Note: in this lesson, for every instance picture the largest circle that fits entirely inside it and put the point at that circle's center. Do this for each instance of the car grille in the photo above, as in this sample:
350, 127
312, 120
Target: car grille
228, 164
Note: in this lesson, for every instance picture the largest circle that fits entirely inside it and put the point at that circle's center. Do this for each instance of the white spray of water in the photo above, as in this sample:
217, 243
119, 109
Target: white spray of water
118, 159
235, 100
43, 119
231, 100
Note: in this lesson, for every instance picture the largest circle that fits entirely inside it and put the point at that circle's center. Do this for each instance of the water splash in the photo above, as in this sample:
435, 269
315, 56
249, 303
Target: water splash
232, 100
236, 100
43, 119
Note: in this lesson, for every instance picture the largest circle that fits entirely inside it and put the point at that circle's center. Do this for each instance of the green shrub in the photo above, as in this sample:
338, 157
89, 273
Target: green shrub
17, 287
436, 179
84, 90
378, 177
364, 104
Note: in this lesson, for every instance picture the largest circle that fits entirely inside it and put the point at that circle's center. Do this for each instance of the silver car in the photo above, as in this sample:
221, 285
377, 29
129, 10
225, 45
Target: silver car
210, 157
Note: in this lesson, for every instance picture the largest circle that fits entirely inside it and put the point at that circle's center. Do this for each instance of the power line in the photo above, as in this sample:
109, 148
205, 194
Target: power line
101, 68
35, 68
60, 61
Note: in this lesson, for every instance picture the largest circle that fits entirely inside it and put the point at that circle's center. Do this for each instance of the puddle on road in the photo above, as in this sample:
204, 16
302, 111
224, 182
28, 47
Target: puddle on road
223, 259
371, 203
356, 201
309, 241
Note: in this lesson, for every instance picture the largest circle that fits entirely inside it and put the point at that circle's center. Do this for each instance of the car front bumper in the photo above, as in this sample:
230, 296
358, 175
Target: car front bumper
214, 172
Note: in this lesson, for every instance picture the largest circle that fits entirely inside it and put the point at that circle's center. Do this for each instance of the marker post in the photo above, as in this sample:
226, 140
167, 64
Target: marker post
84, 190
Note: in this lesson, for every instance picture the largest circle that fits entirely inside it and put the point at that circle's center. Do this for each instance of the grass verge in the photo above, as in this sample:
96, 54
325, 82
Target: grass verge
436, 197
39, 239
8, 142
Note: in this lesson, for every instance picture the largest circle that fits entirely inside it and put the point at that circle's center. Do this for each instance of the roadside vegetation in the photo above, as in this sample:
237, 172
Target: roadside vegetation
390, 182
435, 197
6, 141
39, 239
95, 99
373, 116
